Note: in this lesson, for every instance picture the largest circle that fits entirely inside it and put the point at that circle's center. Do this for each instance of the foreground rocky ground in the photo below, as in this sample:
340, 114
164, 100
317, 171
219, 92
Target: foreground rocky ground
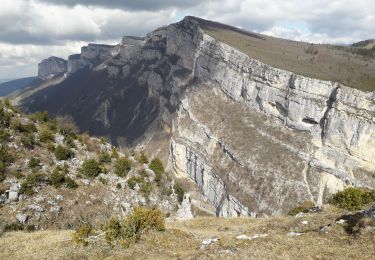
328, 234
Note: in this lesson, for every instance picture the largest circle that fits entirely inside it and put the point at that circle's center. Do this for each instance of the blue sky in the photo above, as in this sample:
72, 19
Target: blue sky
31, 30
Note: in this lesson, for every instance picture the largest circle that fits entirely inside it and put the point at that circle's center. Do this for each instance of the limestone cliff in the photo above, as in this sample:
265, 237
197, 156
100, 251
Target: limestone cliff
255, 139
51, 67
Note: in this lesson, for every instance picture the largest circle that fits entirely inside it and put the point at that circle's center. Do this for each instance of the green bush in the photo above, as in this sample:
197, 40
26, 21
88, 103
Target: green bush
352, 198
146, 188
104, 157
57, 178
90, 168
63, 153
138, 222
4, 136
28, 141
27, 186
30, 228
70, 183
118, 186
179, 192
46, 135
114, 153
39, 117
132, 182
103, 181
2, 176
5, 118
157, 166
13, 227
142, 158
80, 235
122, 167
23, 128
34, 163
6, 158
304, 207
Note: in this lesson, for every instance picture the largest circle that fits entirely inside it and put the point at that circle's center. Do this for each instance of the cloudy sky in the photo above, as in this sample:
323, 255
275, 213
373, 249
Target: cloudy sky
31, 30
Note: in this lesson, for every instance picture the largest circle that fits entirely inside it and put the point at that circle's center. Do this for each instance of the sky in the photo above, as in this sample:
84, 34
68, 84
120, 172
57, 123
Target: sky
32, 30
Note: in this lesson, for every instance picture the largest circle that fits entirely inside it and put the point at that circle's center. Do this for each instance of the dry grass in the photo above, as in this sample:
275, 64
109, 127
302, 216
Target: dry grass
182, 240
320, 61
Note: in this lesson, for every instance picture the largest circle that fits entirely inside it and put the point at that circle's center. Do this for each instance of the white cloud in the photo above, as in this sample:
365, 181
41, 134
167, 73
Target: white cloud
31, 30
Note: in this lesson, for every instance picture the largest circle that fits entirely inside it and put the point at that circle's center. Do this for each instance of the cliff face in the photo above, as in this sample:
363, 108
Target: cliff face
255, 139
252, 135
51, 67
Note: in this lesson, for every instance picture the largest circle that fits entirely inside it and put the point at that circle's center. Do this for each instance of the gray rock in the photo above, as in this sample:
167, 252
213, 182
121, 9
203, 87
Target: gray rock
13, 195
86, 182
209, 241
22, 218
55, 209
51, 67
294, 234
36, 208
39, 199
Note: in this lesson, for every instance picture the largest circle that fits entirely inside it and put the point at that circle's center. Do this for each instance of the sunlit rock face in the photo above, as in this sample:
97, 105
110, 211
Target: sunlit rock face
255, 139
51, 67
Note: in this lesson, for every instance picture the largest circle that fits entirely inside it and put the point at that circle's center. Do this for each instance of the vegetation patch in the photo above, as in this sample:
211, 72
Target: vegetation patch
352, 198
63, 153
90, 168
138, 222
122, 167
302, 207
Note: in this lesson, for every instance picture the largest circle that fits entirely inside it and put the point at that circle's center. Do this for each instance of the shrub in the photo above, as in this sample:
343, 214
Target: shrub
179, 192
90, 168
18, 174
28, 141
30, 228
27, 186
67, 125
304, 207
23, 128
157, 166
63, 153
103, 181
13, 227
46, 135
40, 117
114, 153
122, 167
34, 163
138, 222
80, 235
57, 178
4, 136
118, 186
146, 188
70, 183
6, 158
133, 181
142, 158
5, 118
352, 198
105, 157
2, 176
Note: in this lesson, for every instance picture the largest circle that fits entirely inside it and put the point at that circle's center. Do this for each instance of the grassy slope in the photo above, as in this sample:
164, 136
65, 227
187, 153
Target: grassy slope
183, 240
326, 62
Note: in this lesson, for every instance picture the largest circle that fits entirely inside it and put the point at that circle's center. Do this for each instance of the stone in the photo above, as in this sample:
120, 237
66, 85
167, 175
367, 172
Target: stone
341, 221
86, 182
22, 218
245, 237
299, 215
36, 208
209, 241
55, 209
59, 197
294, 234
13, 195
39, 199
305, 222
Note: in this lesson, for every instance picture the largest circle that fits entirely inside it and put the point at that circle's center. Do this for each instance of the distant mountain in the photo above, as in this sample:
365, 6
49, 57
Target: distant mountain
5, 80
17, 84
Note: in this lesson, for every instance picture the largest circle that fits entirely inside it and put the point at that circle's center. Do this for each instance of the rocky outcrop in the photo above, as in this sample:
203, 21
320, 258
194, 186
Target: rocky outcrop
322, 141
51, 67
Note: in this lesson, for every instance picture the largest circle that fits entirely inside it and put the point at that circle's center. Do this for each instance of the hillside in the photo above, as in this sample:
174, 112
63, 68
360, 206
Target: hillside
17, 84
348, 65
51, 176
327, 234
